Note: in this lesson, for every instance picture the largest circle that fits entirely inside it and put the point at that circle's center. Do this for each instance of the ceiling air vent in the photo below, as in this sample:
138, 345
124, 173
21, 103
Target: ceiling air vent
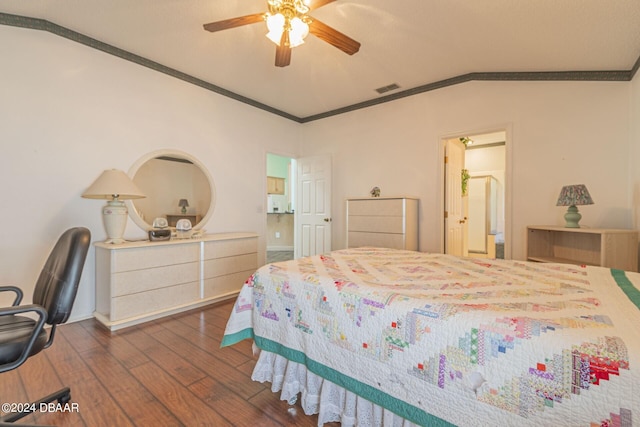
383, 89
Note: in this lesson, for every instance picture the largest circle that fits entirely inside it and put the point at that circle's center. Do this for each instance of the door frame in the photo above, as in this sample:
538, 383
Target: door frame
265, 209
508, 185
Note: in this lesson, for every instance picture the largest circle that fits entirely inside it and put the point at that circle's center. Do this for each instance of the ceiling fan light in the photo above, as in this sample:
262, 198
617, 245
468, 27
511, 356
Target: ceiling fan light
275, 24
275, 36
302, 6
299, 30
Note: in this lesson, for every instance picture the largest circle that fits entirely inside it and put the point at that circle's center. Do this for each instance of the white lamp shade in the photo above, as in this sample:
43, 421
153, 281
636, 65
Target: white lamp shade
275, 24
113, 184
299, 30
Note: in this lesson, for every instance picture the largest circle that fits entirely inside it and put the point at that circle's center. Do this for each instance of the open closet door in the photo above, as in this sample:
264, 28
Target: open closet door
455, 210
313, 206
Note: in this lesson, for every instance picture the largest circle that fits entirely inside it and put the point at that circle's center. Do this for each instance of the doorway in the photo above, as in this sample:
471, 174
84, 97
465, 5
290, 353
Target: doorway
313, 205
477, 227
281, 179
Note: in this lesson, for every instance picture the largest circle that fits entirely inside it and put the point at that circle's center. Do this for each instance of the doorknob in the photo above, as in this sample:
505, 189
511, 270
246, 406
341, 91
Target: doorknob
327, 220
463, 220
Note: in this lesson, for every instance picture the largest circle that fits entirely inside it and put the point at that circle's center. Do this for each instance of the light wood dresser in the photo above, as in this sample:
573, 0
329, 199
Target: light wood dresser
388, 222
141, 281
613, 248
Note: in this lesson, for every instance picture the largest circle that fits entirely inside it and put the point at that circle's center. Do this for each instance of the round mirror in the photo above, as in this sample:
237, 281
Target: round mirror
177, 186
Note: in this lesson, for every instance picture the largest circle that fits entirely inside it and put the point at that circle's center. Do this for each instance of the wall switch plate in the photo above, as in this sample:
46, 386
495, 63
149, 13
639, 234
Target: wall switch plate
277, 234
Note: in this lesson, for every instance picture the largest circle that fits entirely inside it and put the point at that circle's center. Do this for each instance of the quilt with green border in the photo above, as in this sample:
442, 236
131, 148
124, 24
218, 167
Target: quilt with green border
442, 340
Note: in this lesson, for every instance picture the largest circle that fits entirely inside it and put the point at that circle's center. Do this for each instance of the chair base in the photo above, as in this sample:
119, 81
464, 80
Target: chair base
63, 396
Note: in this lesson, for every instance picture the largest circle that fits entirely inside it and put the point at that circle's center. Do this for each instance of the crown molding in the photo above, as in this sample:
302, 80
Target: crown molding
617, 76
44, 25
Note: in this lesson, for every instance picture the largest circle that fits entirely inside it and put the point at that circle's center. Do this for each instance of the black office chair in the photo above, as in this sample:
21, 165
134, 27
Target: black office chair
53, 297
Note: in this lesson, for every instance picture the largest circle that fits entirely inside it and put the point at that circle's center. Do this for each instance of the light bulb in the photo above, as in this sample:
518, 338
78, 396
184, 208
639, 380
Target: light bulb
275, 24
299, 30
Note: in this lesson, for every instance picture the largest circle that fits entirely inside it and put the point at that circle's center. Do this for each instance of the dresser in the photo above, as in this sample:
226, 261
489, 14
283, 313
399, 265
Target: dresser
141, 281
613, 248
389, 222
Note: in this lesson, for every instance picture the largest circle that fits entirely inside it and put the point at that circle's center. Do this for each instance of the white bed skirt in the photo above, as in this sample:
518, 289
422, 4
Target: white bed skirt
319, 396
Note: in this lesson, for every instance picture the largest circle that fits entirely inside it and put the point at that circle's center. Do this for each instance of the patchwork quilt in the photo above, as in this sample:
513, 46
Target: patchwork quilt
442, 340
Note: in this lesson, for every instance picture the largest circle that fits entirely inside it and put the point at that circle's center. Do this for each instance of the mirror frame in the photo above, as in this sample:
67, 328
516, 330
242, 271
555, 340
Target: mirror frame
133, 213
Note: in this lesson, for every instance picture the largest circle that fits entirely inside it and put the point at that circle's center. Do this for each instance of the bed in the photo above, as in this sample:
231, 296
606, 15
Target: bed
374, 336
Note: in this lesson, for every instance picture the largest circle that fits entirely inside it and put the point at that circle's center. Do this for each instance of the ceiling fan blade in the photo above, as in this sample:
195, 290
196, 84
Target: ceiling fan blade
333, 37
283, 56
315, 4
234, 22
283, 51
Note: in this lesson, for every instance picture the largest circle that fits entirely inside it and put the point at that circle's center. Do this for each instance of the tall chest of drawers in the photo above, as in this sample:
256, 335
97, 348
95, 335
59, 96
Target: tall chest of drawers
389, 222
141, 281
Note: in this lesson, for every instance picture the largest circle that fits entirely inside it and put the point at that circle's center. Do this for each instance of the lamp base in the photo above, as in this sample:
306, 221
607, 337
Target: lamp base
114, 241
572, 217
114, 217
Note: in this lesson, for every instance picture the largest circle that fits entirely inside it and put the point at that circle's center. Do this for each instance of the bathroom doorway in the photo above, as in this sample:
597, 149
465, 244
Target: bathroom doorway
281, 180
482, 200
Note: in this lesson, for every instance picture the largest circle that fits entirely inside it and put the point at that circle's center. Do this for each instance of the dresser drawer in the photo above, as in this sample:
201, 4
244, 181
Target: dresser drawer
224, 285
380, 224
226, 248
128, 306
224, 266
377, 207
131, 282
381, 240
151, 257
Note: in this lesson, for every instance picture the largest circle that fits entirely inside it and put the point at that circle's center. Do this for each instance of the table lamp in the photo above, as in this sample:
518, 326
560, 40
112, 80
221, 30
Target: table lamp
572, 196
183, 203
114, 186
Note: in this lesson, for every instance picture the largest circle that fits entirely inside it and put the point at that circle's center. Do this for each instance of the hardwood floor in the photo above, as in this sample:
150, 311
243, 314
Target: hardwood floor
168, 372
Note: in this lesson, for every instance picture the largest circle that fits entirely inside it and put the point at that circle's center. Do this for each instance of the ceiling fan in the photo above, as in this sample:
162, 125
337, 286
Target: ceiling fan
288, 23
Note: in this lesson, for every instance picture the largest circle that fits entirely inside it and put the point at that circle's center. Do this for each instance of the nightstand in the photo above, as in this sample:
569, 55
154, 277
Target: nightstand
613, 248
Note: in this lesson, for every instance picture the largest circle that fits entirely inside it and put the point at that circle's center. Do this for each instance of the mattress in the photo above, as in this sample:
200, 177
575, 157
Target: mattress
441, 340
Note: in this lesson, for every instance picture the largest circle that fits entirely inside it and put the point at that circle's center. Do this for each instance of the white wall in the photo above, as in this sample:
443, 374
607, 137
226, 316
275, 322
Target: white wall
558, 133
634, 152
67, 112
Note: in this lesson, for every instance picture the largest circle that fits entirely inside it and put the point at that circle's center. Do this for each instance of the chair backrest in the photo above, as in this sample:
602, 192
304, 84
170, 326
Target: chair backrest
58, 282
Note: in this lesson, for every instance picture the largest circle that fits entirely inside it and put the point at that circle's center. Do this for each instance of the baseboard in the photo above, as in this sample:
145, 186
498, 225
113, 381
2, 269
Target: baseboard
279, 248
135, 320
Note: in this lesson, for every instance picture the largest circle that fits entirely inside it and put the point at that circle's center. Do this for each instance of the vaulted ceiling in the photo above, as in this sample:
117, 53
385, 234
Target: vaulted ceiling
418, 45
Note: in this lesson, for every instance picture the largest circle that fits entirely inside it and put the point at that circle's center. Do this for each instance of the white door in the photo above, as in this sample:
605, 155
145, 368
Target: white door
455, 212
313, 206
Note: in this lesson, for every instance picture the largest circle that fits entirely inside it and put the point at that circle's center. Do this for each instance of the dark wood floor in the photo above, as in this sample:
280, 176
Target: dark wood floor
167, 372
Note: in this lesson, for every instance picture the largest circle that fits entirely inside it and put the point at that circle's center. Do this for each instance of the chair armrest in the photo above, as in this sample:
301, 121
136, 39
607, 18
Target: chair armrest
37, 328
16, 290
